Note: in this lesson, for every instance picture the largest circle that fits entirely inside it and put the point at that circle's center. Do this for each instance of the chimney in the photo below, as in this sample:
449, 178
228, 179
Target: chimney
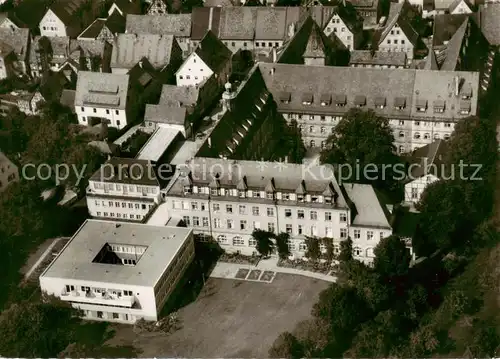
343, 2
140, 64
291, 30
275, 55
272, 71
209, 141
457, 84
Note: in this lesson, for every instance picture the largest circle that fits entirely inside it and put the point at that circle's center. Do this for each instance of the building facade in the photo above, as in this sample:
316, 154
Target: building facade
9, 173
227, 200
123, 189
119, 272
421, 106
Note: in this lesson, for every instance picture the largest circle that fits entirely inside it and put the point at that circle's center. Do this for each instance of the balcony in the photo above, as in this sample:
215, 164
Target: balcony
98, 298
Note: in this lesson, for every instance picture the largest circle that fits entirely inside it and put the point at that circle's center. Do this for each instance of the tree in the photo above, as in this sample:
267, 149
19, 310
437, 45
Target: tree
346, 250
392, 259
264, 243
282, 245
48, 144
314, 336
313, 249
364, 139
36, 329
286, 346
328, 243
295, 142
83, 160
443, 218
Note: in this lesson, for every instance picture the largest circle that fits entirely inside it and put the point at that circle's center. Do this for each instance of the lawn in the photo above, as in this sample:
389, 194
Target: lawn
231, 318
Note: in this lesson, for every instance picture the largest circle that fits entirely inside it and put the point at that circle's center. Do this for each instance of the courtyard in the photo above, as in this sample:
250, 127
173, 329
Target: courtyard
231, 318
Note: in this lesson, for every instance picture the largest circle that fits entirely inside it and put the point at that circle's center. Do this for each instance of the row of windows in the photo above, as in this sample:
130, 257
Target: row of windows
94, 110
395, 41
85, 289
122, 205
302, 246
426, 136
128, 249
125, 188
255, 210
119, 215
84, 119
51, 28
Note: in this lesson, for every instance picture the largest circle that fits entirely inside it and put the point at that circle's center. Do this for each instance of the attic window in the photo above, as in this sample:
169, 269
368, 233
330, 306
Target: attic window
307, 98
400, 103
439, 106
285, 97
340, 100
325, 99
465, 106
421, 105
360, 100
188, 189
380, 102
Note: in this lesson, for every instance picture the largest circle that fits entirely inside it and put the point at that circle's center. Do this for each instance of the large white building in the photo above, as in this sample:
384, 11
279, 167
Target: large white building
422, 105
124, 189
102, 96
228, 199
119, 272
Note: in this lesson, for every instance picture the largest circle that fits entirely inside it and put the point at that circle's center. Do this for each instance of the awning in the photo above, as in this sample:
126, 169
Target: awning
379, 101
285, 96
307, 97
465, 105
439, 104
326, 98
340, 99
400, 102
421, 103
360, 100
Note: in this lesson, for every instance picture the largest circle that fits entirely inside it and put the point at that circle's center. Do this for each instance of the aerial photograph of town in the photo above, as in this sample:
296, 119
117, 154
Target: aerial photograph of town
250, 179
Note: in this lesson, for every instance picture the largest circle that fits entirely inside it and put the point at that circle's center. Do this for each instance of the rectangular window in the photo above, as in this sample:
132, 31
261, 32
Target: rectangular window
328, 216
216, 207
343, 217
205, 221
343, 233
288, 212
243, 225
229, 208
289, 228
270, 211
255, 211
242, 209
357, 234
270, 227
194, 206
186, 220
369, 235
252, 242
314, 215
230, 224
196, 221
300, 229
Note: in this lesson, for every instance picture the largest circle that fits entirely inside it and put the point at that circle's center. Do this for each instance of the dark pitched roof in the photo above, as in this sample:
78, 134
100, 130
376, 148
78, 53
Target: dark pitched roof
315, 46
93, 30
398, 15
488, 19
116, 23
52, 86
66, 9
406, 223
204, 19
453, 48
213, 52
427, 156
445, 26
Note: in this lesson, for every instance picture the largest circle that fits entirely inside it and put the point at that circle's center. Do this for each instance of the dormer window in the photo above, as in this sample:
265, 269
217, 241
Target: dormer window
399, 103
285, 97
421, 105
465, 106
379, 102
285, 196
328, 199
300, 198
466, 92
188, 190
314, 199
340, 100
360, 101
307, 98
325, 99
270, 195
439, 106
214, 192
242, 194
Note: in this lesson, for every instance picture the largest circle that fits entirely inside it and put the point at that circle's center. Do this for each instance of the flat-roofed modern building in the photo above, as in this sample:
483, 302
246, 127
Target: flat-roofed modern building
119, 272
227, 200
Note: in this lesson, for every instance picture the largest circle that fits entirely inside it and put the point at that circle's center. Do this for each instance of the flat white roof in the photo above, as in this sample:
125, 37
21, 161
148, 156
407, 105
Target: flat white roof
160, 216
126, 135
75, 260
157, 144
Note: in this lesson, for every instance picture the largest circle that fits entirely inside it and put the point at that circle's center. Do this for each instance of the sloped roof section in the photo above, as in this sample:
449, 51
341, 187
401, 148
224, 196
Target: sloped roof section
168, 24
213, 52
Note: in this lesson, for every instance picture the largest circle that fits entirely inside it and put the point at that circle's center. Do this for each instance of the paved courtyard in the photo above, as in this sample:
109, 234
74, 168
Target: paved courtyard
232, 318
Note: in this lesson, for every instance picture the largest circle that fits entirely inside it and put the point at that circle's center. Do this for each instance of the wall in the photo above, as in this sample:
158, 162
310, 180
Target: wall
51, 26
193, 71
336, 25
397, 41
8, 174
117, 118
415, 188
